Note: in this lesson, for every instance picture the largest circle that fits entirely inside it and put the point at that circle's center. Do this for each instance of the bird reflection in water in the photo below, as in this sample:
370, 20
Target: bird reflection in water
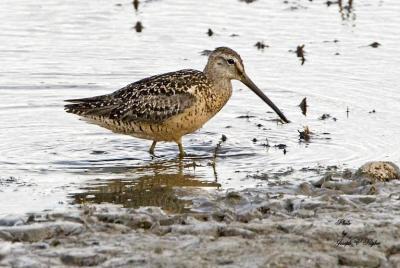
156, 188
346, 10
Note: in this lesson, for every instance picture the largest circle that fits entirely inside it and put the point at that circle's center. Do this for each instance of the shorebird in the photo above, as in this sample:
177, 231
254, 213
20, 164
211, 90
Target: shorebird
168, 106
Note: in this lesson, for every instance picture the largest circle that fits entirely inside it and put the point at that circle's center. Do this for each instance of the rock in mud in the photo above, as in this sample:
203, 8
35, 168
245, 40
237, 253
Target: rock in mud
82, 258
12, 220
24, 262
39, 231
378, 171
362, 258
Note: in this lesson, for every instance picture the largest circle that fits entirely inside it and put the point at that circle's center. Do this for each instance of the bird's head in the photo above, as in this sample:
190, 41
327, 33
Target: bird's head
226, 64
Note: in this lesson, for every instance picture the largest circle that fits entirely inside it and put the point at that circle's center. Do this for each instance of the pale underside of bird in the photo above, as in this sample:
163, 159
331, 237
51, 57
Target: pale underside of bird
168, 106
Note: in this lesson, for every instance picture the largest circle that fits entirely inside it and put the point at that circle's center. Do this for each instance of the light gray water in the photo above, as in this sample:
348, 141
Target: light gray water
53, 50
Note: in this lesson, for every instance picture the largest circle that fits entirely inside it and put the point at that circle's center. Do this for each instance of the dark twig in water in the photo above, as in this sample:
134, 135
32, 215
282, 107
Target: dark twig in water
260, 45
135, 4
374, 44
223, 138
248, 1
138, 27
325, 116
305, 134
266, 144
303, 106
300, 53
217, 147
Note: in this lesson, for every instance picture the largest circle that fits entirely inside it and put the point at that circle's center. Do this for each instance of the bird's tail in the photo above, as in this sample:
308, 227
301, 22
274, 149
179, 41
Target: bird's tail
99, 105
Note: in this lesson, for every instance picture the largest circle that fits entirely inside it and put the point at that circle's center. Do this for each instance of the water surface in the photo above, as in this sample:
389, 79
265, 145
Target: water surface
54, 50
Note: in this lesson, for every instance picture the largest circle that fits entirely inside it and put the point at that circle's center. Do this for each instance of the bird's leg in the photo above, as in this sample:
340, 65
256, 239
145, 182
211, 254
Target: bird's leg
181, 151
152, 147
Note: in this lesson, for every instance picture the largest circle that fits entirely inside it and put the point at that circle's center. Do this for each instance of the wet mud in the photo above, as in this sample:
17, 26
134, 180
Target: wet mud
343, 219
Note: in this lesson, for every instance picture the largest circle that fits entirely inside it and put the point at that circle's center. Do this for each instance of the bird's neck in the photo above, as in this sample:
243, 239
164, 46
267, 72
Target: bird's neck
221, 91
220, 82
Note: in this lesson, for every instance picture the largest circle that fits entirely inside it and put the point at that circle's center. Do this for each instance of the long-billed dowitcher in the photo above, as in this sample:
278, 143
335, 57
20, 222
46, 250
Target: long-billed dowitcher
168, 106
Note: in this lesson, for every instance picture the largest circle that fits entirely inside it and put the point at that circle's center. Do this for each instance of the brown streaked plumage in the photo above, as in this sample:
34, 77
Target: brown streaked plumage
168, 106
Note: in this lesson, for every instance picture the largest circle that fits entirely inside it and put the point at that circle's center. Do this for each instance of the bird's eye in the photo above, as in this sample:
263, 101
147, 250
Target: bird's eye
231, 61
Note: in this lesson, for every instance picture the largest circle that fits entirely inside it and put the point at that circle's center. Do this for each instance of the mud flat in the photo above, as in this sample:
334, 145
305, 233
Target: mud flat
351, 220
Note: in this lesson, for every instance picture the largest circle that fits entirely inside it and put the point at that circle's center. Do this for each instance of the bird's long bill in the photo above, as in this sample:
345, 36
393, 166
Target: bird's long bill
247, 81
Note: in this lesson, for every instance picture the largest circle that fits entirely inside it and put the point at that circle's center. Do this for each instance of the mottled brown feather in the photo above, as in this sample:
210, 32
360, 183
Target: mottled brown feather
152, 99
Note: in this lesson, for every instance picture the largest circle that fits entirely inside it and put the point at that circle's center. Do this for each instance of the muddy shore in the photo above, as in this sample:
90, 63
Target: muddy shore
352, 220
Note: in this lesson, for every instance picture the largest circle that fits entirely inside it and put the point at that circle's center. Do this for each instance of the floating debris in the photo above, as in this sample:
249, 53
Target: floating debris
333, 41
223, 138
139, 27
374, 44
246, 116
135, 4
305, 134
234, 35
347, 112
324, 117
254, 140
300, 53
210, 32
303, 106
329, 3
372, 112
260, 45
280, 146
248, 1
118, 5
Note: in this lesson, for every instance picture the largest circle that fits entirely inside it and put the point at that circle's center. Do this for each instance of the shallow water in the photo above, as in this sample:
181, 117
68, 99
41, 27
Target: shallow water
56, 50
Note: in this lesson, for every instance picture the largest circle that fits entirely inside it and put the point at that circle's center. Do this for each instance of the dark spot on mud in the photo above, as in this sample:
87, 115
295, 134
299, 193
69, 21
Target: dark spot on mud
260, 45
303, 106
210, 32
139, 27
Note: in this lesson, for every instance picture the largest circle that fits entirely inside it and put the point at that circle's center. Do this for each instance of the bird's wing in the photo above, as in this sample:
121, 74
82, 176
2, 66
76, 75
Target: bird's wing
152, 99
